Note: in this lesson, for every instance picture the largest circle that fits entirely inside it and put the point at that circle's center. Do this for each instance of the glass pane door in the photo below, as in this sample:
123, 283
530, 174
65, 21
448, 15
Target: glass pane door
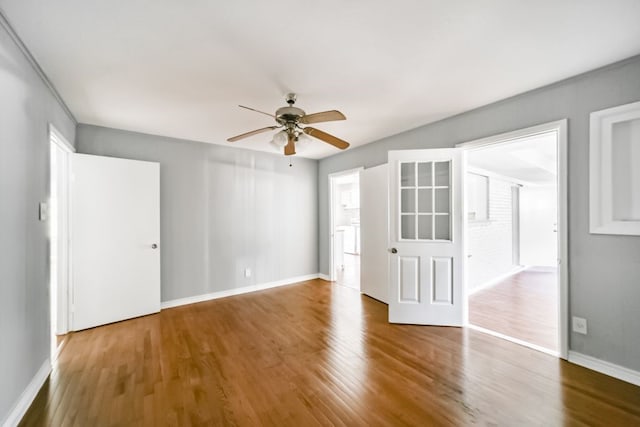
425, 201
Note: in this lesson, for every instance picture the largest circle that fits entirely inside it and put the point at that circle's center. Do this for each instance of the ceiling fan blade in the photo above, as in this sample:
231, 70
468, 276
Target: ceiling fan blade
257, 111
323, 136
253, 132
325, 116
290, 148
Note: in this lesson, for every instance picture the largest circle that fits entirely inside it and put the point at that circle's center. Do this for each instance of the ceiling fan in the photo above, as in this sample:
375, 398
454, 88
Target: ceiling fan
289, 119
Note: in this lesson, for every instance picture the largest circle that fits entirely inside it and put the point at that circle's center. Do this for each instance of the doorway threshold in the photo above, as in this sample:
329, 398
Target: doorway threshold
514, 340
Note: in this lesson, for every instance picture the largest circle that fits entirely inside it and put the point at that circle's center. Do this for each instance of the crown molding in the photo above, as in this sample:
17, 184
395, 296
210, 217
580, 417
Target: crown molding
4, 23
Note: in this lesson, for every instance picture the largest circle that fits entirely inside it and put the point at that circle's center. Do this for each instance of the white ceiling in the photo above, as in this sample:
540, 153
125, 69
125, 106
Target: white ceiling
179, 68
530, 160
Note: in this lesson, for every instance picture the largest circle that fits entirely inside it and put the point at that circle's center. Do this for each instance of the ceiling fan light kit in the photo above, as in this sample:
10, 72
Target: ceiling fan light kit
290, 118
280, 139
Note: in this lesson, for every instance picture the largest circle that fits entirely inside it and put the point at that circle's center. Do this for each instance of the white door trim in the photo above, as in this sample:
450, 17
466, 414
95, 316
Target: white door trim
331, 177
60, 139
560, 127
56, 137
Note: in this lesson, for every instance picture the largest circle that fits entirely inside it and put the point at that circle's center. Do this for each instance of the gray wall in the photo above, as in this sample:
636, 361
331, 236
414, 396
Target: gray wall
604, 270
222, 210
26, 109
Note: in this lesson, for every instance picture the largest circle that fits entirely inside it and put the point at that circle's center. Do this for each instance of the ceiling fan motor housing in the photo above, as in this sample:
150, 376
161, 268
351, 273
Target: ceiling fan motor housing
286, 115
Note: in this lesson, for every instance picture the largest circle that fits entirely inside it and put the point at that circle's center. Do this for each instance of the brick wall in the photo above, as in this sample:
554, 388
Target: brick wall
490, 242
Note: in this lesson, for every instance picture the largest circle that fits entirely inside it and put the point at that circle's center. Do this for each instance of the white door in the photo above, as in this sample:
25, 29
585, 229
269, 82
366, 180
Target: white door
374, 225
115, 211
539, 226
426, 237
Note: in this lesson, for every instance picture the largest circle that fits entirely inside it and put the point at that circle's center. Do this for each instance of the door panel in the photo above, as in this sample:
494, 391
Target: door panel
374, 223
442, 268
409, 280
426, 237
115, 224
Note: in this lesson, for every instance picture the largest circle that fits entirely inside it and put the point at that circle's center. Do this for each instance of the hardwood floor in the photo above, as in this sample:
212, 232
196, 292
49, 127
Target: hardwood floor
60, 339
314, 354
350, 276
522, 306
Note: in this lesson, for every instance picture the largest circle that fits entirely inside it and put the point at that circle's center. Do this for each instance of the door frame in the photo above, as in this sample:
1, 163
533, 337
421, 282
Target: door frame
63, 289
331, 181
560, 127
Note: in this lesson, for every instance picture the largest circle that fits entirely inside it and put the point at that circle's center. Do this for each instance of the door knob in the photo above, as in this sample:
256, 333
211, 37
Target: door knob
154, 246
393, 250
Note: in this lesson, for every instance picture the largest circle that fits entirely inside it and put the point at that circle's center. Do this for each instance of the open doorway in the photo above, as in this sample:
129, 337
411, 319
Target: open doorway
514, 285
58, 215
345, 228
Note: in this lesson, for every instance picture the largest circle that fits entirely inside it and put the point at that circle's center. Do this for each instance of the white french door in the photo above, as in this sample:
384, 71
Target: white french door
115, 214
426, 237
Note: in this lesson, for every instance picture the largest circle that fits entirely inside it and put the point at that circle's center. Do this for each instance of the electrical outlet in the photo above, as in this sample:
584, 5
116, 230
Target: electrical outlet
580, 325
247, 272
43, 211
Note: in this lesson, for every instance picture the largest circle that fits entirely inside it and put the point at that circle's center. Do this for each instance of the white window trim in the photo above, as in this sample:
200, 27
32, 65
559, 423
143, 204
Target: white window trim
601, 170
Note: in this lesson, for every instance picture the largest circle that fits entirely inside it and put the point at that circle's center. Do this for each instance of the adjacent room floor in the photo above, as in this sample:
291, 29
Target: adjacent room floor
314, 353
350, 276
522, 306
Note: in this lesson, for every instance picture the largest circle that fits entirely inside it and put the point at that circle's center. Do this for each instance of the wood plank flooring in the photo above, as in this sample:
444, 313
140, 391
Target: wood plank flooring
522, 306
311, 354
350, 275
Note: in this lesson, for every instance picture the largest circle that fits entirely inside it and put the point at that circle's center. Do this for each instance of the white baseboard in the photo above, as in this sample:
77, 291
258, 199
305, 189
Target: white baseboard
324, 277
27, 396
237, 291
607, 368
496, 280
